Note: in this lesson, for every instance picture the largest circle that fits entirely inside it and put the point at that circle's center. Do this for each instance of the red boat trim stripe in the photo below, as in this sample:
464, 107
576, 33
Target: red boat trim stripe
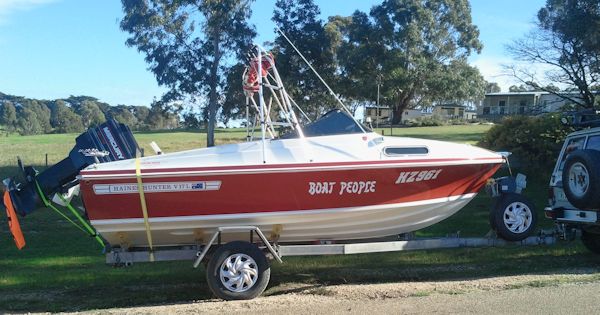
103, 222
300, 167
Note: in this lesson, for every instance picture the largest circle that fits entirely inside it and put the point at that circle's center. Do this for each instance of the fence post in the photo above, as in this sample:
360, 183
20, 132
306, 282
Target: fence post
46, 159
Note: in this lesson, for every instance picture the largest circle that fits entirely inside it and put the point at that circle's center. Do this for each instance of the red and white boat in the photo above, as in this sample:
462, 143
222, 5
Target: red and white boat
331, 180
335, 187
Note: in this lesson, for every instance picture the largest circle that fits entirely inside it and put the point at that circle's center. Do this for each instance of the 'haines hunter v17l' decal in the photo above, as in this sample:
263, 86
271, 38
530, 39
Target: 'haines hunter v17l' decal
132, 188
417, 176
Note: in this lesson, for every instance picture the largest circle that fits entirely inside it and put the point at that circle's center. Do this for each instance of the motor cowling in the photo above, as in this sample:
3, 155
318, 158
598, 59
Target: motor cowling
110, 141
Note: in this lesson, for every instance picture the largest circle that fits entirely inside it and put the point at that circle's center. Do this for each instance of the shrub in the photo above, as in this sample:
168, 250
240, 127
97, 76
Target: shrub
534, 141
458, 121
426, 121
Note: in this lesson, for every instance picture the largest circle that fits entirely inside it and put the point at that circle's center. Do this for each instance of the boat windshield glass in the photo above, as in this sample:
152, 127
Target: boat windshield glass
335, 122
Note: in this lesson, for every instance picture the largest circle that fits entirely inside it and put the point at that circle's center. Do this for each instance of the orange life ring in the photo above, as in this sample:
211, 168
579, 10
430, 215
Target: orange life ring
13, 221
250, 80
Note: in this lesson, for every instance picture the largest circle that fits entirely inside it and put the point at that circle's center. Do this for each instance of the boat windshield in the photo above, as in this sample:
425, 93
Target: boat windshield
335, 122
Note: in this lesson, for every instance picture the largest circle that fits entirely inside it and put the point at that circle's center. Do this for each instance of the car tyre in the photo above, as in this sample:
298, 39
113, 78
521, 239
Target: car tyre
581, 179
514, 217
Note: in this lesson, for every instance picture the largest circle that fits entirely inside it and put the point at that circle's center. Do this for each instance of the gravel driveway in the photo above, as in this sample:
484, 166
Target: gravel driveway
573, 292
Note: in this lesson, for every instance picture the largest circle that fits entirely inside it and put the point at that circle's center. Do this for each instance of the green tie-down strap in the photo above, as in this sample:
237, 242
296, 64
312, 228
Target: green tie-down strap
88, 229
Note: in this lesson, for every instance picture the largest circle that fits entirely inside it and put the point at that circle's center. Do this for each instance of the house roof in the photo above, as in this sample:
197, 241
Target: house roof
516, 93
450, 105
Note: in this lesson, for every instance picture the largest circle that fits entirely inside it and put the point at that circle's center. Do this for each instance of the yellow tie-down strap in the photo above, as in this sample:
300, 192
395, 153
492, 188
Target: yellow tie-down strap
138, 175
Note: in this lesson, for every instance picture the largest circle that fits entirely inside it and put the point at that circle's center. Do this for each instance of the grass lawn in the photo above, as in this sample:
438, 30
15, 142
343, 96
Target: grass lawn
63, 270
460, 133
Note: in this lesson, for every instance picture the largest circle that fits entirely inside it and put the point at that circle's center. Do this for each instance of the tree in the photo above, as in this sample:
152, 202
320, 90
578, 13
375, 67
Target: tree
457, 82
553, 88
42, 113
492, 87
122, 114
76, 101
187, 45
566, 41
90, 113
163, 116
298, 19
234, 104
407, 46
8, 116
141, 113
64, 119
190, 121
518, 88
28, 122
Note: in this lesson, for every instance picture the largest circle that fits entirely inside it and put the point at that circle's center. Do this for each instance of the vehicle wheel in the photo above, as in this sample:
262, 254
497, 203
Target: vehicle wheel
581, 179
514, 217
238, 271
591, 241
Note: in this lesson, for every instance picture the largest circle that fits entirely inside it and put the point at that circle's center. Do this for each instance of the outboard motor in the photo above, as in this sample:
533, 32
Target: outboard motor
111, 141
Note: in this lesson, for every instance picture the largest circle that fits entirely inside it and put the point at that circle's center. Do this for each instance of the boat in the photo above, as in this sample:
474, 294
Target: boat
332, 179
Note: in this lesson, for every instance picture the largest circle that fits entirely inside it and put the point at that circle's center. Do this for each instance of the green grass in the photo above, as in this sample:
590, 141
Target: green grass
470, 134
63, 270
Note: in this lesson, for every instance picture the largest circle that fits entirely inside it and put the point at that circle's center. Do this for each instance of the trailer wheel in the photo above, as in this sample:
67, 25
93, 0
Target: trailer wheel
580, 179
238, 271
591, 241
514, 217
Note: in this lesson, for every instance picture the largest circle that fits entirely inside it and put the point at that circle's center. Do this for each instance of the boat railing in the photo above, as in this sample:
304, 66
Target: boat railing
261, 74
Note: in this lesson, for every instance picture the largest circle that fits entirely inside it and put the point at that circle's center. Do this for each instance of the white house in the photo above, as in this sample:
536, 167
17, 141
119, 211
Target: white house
497, 105
411, 114
553, 103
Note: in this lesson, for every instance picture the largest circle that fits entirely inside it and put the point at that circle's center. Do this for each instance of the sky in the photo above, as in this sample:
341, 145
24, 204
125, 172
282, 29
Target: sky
56, 48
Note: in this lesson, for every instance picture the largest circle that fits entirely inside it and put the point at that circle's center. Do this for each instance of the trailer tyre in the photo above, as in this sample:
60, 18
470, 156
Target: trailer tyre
591, 241
514, 217
238, 271
581, 179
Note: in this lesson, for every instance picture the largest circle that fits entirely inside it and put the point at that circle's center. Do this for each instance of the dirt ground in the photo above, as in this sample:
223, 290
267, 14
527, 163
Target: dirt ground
574, 292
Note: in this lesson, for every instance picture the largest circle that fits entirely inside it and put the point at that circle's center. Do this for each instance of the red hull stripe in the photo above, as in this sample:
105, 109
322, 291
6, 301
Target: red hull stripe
171, 195
299, 166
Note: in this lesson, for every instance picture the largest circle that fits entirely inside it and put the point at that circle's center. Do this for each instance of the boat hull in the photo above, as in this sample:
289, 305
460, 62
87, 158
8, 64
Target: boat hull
296, 203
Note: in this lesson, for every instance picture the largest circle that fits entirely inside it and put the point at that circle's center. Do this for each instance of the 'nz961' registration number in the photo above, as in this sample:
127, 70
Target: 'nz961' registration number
417, 176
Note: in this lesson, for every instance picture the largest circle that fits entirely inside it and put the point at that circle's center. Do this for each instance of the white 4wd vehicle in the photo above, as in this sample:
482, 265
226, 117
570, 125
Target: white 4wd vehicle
574, 194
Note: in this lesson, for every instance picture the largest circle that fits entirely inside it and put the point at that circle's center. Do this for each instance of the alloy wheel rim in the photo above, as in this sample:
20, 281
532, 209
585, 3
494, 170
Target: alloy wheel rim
238, 273
579, 179
517, 217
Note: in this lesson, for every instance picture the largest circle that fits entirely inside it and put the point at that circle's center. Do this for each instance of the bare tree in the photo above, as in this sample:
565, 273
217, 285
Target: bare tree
560, 45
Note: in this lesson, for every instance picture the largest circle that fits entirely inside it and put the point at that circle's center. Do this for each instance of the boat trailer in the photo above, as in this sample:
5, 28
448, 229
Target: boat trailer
274, 251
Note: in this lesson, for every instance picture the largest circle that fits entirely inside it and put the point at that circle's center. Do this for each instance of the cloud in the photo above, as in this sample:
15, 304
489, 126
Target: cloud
8, 7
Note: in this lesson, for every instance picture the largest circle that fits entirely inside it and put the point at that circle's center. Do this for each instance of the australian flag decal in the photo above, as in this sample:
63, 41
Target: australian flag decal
199, 186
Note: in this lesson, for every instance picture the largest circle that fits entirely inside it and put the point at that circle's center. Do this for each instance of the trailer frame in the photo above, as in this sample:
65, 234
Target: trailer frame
198, 253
